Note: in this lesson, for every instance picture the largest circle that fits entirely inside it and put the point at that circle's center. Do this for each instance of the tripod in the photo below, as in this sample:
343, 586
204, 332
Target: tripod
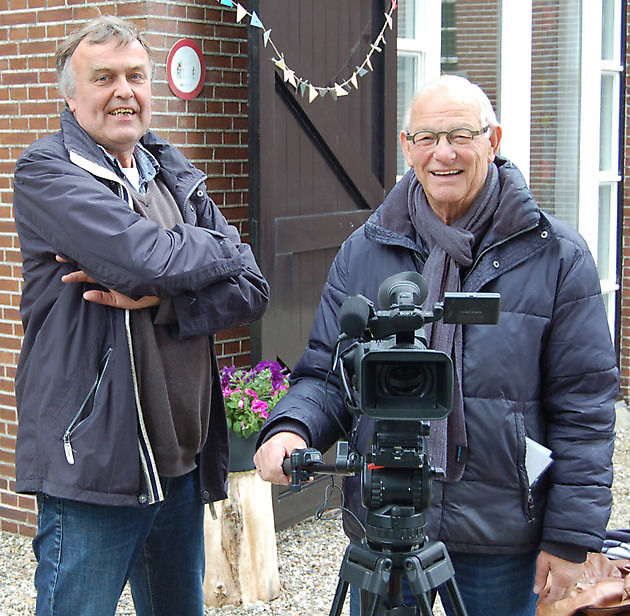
396, 549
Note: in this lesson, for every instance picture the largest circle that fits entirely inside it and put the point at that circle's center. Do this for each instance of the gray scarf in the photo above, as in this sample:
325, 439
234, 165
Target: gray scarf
450, 249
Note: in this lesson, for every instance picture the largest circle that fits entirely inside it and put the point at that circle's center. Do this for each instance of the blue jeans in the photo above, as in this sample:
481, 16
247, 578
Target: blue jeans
490, 585
86, 553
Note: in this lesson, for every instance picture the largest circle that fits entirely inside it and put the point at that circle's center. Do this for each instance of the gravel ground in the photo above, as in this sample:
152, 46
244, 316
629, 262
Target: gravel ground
309, 556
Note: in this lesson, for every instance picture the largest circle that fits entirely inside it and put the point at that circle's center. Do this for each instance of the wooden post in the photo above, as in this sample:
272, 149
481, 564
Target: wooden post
241, 554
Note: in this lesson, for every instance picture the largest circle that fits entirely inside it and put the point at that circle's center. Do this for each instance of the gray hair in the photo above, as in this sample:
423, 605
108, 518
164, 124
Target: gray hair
461, 87
98, 30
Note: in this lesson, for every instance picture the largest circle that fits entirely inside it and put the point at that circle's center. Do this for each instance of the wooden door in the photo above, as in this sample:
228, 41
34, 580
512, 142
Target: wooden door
317, 170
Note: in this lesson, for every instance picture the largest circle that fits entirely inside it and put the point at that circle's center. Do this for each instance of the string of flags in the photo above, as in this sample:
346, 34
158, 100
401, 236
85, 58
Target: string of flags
303, 86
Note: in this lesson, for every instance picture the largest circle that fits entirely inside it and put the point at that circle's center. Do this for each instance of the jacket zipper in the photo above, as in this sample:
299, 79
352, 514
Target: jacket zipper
521, 436
75, 423
149, 468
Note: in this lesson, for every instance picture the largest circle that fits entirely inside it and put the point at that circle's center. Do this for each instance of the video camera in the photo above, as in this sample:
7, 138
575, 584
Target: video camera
396, 376
389, 375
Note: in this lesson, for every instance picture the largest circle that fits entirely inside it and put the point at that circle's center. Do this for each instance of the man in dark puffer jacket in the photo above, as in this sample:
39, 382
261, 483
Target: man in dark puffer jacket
466, 220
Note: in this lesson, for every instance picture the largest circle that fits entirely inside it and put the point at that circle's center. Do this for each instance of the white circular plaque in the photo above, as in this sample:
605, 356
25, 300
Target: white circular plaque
185, 69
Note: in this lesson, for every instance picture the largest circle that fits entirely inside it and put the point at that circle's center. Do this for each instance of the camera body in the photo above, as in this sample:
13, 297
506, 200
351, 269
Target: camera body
400, 381
394, 376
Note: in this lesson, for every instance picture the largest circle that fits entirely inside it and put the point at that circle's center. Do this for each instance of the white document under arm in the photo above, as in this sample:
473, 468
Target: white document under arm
537, 460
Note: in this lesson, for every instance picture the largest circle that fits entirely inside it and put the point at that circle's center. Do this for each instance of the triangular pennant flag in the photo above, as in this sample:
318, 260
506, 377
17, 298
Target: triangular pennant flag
290, 78
353, 81
256, 21
240, 12
390, 21
322, 91
362, 72
369, 62
339, 91
279, 62
226, 2
302, 88
312, 93
266, 36
394, 4
376, 48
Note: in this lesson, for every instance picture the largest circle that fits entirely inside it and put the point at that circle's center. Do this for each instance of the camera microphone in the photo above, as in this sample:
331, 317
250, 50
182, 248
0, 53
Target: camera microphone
355, 313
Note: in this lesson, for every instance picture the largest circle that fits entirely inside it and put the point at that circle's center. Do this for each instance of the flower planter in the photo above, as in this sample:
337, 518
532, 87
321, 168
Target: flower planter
242, 451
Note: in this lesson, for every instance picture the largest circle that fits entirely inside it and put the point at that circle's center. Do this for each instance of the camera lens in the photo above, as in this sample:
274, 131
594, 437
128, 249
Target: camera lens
406, 380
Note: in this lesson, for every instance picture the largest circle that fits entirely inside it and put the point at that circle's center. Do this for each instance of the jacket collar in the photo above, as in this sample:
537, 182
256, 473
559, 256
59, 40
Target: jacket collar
517, 211
178, 174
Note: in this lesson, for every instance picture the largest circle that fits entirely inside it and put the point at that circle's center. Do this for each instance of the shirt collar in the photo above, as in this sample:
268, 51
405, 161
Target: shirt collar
148, 166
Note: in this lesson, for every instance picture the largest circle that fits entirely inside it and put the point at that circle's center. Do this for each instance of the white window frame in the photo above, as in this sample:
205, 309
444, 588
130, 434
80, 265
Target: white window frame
591, 178
516, 83
428, 41
426, 45
515, 114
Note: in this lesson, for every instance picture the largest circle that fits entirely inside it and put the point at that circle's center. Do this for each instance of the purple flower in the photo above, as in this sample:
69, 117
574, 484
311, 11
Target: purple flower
226, 375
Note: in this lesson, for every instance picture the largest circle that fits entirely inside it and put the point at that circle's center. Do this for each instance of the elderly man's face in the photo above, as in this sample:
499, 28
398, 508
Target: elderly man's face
452, 175
112, 101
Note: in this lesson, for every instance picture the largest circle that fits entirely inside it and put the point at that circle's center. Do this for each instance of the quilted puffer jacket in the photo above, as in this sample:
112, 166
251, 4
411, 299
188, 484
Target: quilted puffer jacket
546, 371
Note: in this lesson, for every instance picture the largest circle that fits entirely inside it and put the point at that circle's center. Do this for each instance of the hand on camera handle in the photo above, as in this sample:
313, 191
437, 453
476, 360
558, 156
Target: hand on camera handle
270, 457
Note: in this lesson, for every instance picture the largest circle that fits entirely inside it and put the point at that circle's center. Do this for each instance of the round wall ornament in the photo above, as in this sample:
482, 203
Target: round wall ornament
185, 69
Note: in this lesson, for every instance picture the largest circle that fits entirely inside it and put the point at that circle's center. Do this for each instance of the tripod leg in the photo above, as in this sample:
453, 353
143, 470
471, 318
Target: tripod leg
339, 598
456, 597
372, 606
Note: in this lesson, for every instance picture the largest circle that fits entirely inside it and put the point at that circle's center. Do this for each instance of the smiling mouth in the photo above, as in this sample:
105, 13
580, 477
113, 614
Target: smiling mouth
447, 173
122, 112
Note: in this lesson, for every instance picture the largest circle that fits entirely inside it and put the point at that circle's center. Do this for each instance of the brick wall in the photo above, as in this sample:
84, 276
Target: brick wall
211, 130
478, 44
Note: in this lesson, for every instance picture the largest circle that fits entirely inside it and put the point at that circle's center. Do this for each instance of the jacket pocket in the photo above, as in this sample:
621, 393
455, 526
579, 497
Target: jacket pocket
86, 407
527, 498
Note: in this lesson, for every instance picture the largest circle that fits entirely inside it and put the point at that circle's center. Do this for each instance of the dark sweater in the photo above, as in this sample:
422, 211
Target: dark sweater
174, 376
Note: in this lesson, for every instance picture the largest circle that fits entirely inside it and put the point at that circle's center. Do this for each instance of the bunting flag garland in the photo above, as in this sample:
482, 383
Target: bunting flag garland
303, 86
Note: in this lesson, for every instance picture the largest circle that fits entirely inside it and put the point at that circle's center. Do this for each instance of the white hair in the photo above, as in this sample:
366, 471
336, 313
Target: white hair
461, 88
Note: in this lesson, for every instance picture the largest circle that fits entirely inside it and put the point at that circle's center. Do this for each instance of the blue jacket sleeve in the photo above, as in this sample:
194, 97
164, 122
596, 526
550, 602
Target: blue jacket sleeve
580, 387
314, 398
81, 218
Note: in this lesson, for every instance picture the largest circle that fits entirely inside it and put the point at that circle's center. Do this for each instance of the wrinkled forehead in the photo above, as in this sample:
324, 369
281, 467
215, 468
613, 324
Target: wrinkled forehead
111, 52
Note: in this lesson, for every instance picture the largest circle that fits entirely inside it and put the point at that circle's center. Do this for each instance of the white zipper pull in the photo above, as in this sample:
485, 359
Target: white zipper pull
67, 446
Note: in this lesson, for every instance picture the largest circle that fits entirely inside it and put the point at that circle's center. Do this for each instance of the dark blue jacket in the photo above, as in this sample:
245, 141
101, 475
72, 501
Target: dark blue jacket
81, 433
547, 370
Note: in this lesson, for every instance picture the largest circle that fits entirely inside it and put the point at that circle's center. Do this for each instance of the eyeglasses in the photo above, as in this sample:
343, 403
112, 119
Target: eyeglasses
427, 139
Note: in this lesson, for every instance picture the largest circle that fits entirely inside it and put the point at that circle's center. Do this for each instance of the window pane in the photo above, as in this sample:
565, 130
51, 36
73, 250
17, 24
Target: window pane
603, 244
608, 30
608, 139
555, 107
407, 19
407, 86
